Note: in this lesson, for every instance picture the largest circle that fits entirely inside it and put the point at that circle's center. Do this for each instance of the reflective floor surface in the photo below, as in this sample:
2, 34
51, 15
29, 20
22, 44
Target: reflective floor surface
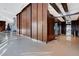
15, 45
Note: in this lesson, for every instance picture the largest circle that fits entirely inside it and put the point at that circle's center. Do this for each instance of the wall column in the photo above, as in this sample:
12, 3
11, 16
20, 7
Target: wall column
68, 28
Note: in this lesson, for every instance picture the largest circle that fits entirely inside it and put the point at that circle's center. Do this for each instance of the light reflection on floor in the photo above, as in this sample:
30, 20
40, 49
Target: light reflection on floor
24, 46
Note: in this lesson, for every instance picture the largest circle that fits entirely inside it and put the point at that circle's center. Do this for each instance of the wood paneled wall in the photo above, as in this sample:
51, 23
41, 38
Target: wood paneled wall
40, 20
51, 22
33, 21
18, 24
2, 26
23, 17
24, 21
28, 20
45, 32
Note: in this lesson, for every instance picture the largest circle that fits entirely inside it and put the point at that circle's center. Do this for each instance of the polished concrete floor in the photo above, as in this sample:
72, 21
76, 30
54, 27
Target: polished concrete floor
15, 45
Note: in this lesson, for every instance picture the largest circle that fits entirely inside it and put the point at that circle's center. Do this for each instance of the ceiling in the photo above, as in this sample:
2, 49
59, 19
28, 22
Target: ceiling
59, 10
64, 11
9, 10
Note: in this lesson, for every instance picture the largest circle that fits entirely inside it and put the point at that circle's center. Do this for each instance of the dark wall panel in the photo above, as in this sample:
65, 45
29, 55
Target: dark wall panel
2, 26
34, 20
50, 29
63, 27
40, 21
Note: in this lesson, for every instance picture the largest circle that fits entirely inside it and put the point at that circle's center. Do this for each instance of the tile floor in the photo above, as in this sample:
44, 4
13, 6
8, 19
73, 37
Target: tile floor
15, 45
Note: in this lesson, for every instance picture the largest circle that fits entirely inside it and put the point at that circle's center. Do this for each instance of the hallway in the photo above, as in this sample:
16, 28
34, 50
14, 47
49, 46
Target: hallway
37, 29
16, 45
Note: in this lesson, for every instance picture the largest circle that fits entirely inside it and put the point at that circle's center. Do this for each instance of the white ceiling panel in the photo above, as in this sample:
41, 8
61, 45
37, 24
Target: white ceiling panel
53, 11
61, 8
61, 19
73, 7
74, 17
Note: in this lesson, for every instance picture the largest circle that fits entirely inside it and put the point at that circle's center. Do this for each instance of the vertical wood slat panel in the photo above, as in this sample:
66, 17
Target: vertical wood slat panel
45, 7
28, 20
39, 21
24, 22
18, 24
34, 20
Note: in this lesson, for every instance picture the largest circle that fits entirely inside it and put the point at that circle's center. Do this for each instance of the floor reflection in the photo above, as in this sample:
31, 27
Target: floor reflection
3, 37
72, 40
22, 46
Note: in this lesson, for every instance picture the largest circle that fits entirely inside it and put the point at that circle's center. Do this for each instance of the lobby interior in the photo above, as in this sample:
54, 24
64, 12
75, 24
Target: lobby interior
39, 29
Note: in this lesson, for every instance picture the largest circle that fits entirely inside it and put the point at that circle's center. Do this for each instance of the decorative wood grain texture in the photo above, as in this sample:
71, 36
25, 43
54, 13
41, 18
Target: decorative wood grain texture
34, 20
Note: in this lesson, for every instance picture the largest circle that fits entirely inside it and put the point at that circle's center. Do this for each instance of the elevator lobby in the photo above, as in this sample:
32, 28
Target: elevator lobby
39, 29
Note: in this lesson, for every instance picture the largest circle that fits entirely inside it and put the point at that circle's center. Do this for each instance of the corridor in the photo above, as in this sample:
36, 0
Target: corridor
15, 45
39, 29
